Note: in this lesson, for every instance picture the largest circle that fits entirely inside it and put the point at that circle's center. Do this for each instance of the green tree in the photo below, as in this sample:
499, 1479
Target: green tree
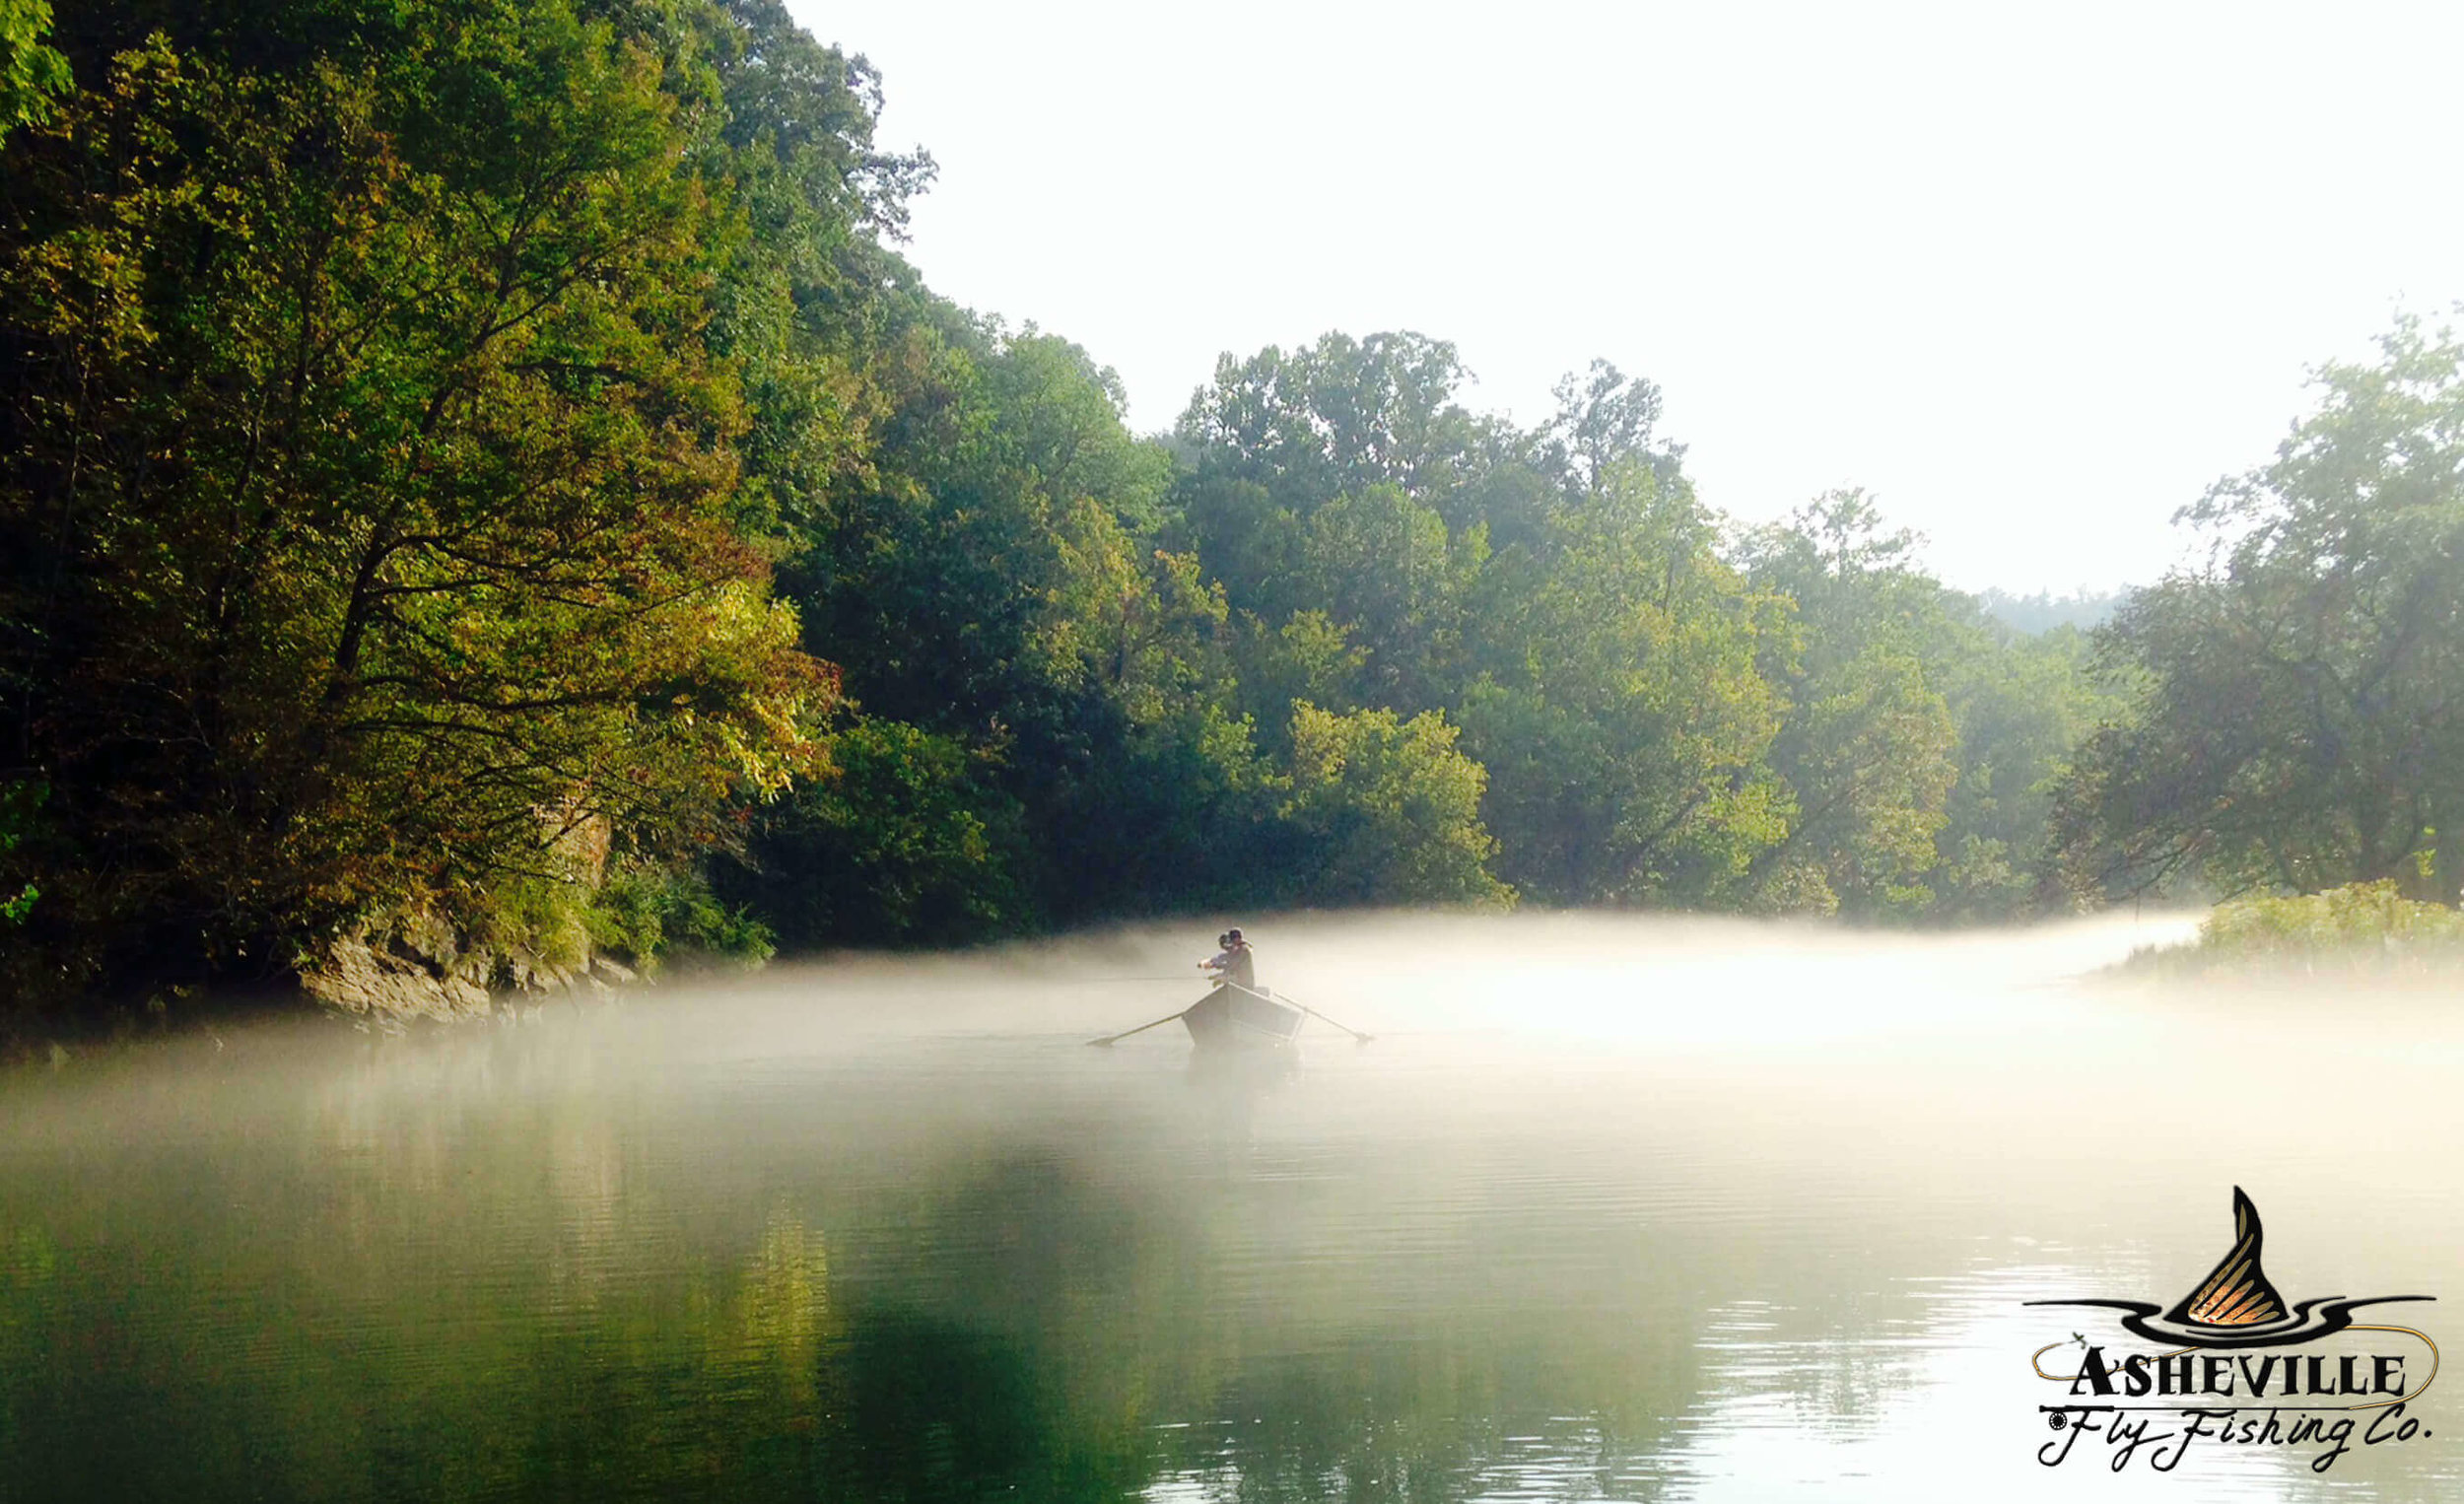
2023, 703
1311, 656
1339, 417
33, 74
1621, 709
368, 507
905, 844
1385, 811
1869, 747
2295, 719
1381, 565
993, 575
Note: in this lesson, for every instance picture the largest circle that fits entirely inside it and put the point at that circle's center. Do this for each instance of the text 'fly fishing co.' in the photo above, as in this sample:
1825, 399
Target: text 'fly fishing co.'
2225, 1372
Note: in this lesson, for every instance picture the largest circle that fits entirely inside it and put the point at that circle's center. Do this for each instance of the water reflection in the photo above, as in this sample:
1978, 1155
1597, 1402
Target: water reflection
1603, 1215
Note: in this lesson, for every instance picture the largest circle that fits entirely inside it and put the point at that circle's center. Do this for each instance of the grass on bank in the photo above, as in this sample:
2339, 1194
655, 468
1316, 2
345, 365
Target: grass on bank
2367, 926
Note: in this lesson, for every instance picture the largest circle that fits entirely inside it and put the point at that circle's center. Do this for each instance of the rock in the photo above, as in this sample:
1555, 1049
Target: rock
356, 977
413, 964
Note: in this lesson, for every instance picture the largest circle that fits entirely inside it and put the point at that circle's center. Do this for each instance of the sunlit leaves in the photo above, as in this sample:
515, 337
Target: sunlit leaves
1390, 812
376, 482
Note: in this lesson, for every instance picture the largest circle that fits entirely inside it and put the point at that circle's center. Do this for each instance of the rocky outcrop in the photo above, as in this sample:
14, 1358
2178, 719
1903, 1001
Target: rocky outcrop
357, 976
419, 966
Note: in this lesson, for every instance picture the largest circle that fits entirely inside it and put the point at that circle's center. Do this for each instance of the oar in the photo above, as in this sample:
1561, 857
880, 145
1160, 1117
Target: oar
1109, 1040
1286, 998
1322, 1018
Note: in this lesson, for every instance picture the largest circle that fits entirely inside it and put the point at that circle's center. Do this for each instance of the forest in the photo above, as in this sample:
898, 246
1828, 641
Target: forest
480, 486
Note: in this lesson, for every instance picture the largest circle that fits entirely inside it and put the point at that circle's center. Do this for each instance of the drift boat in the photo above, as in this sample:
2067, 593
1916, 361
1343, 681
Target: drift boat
1237, 1017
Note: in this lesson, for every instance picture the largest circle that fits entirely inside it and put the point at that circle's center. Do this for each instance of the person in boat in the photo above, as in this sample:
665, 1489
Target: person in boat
1235, 963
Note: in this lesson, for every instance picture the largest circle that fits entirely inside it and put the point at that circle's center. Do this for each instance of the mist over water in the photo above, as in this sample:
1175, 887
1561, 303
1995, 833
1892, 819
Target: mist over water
1616, 1209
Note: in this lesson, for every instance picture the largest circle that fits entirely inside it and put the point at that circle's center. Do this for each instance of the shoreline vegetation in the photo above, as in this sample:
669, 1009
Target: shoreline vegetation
485, 503
2360, 929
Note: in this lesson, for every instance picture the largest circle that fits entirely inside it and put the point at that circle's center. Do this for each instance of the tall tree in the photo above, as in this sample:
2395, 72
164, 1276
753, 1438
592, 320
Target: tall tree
368, 509
1382, 810
2299, 714
1868, 748
1620, 708
2021, 702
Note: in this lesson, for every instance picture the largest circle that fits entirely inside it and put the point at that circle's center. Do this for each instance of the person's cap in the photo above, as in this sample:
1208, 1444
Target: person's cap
1233, 935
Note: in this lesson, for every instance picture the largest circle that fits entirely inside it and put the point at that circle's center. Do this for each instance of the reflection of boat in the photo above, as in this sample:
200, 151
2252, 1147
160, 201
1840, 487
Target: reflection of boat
1237, 1017
1235, 1079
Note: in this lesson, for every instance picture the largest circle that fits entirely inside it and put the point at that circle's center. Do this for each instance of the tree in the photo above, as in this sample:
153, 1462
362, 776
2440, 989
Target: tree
1380, 565
1868, 748
2297, 710
2021, 705
1619, 706
33, 74
1385, 811
1605, 419
368, 513
1338, 417
907, 843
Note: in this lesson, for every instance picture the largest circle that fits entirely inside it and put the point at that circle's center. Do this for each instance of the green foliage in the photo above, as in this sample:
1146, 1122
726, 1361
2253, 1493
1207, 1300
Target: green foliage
369, 509
444, 441
1868, 747
18, 801
653, 914
1311, 656
541, 920
1621, 709
33, 74
2357, 914
909, 844
1386, 811
1340, 418
2294, 722
2370, 924
2021, 705
1380, 562
2084, 610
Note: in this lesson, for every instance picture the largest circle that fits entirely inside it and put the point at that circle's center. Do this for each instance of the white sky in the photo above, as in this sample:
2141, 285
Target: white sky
2033, 274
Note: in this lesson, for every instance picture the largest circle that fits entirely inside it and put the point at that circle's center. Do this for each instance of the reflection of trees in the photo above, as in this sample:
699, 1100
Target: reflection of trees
1439, 1416
1076, 1337
537, 1304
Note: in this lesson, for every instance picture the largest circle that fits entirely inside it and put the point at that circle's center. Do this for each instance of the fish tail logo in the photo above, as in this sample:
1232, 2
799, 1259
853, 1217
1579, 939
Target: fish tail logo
2224, 1371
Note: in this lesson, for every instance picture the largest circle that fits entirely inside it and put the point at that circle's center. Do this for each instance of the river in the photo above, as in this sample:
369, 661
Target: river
1610, 1209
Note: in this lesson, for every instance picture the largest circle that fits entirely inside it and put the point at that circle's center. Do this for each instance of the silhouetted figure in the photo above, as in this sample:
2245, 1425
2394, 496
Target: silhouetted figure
1236, 962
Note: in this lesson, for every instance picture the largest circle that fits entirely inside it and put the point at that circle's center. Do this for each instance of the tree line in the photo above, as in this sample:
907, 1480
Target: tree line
483, 480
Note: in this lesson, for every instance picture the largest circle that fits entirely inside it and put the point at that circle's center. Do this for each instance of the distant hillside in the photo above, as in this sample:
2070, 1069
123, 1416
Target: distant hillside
2044, 610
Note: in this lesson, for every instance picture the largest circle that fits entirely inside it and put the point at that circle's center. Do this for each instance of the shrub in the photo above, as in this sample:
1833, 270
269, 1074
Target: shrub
2369, 924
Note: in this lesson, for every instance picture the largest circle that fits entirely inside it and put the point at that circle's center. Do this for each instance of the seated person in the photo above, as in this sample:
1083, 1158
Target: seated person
1235, 963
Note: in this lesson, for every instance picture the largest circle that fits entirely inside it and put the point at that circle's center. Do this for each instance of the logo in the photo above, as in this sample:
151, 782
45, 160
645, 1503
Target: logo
2225, 1372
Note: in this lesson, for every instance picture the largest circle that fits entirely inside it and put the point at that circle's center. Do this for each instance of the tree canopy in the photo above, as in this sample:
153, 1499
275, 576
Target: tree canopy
488, 471
2298, 710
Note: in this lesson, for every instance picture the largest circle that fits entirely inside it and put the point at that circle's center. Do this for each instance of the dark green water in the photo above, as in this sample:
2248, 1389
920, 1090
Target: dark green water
1609, 1211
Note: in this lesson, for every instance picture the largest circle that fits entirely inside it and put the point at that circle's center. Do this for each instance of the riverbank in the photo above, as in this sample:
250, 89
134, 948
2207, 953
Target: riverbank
375, 989
2362, 929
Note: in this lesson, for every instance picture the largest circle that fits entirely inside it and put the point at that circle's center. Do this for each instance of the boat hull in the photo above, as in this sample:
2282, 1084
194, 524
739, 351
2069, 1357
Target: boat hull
1237, 1017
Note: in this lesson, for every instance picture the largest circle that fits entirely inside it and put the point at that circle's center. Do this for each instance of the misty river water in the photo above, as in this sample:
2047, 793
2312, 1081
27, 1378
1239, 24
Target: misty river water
1610, 1209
